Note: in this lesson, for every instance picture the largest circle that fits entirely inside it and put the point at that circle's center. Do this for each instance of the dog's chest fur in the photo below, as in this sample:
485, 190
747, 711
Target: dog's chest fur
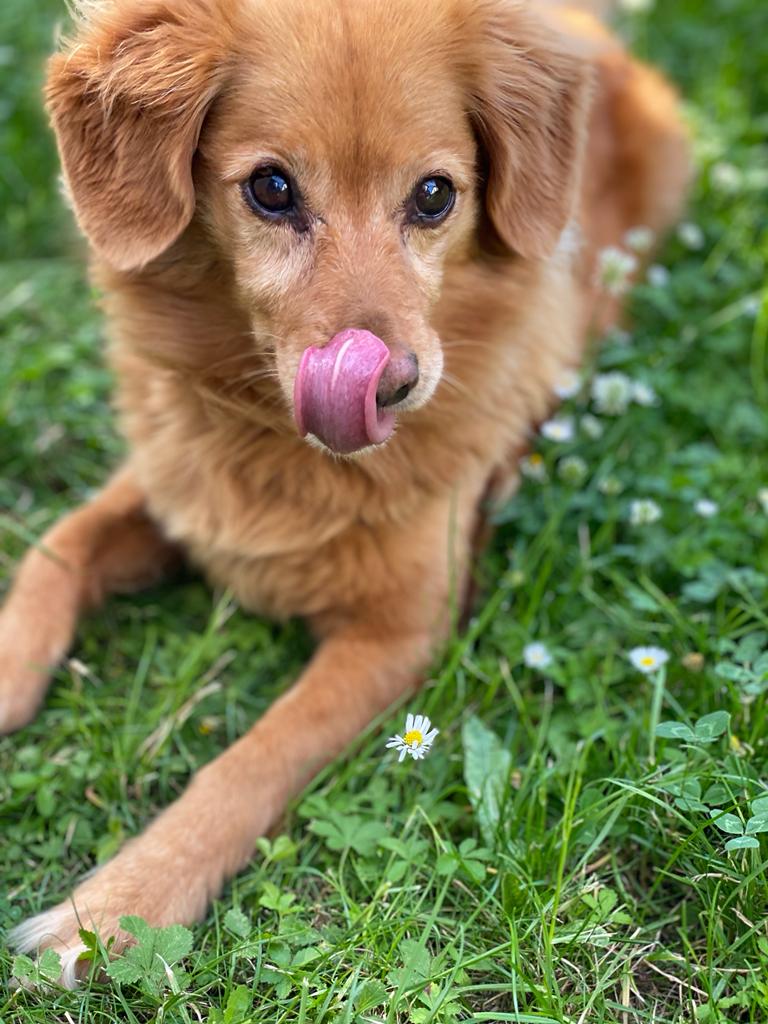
291, 529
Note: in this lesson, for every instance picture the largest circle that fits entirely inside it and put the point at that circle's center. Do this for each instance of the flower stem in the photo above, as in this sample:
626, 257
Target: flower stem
658, 699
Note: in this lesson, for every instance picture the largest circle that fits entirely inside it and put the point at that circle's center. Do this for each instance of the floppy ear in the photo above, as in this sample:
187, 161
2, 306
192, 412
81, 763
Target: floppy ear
530, 102
127, 99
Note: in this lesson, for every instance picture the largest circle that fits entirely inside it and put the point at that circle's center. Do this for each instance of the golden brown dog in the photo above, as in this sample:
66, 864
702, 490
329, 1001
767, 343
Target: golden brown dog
347, 247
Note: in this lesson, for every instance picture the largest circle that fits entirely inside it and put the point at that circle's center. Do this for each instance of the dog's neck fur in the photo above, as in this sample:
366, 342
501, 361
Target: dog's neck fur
177, 333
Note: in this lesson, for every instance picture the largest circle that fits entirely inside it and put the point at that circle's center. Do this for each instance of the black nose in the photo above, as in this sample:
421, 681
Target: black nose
400, 377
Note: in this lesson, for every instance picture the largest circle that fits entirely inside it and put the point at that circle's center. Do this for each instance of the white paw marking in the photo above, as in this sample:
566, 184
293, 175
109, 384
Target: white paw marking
52, 928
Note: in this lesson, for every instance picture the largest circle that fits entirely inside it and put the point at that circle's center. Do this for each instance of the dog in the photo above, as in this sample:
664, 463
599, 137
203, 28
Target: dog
346, 249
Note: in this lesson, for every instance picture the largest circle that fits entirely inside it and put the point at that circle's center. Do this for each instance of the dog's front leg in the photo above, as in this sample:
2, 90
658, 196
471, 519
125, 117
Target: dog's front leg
170, 872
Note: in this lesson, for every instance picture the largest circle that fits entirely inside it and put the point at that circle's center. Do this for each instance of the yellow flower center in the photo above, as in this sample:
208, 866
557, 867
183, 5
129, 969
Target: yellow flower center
413, 738
648, 661
535, 459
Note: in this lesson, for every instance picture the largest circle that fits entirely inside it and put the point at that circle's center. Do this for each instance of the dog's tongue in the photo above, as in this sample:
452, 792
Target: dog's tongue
335, 392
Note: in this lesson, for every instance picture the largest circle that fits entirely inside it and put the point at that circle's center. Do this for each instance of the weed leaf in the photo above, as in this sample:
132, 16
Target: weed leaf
372, 993
487, 767
152, 957
236, 922
711, 726
742, 843
236, 1010
759, 823
728, 822
675, 731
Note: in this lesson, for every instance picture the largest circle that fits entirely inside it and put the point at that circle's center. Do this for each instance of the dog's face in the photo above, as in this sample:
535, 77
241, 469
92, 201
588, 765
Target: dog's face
338, 195
337, 155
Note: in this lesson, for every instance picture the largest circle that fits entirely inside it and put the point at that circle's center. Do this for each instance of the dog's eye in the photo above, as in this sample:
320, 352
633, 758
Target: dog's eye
269, 192
432, 200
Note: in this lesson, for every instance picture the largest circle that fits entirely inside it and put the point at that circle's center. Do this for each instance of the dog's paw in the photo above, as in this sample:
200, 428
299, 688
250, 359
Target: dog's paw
91, 908
148, 879
56, 929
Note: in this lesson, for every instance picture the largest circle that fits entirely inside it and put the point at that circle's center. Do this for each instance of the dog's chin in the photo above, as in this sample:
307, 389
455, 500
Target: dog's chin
361, 453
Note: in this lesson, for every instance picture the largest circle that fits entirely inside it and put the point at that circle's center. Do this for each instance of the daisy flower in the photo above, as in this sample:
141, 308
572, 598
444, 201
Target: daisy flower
762, 497
614, 267
636, 6
567, 384
648, 659
558, 429
691, 236
643, 512
611, 393
534, 467
536, 655
639, 239
417, 738
657, 275
706, 508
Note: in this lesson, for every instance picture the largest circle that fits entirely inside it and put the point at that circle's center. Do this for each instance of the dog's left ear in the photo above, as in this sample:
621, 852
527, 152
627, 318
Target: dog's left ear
127, 99
529, 104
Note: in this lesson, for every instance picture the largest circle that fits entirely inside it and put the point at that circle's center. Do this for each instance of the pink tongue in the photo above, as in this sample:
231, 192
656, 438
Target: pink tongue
334, 395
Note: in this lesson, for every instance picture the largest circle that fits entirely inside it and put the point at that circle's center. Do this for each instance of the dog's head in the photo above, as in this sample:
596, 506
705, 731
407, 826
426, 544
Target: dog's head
337, 155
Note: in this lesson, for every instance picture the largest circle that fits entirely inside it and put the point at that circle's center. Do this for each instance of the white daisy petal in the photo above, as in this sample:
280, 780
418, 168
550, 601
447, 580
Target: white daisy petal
648, 659
417, 737
567, 384
558, 429
536, 655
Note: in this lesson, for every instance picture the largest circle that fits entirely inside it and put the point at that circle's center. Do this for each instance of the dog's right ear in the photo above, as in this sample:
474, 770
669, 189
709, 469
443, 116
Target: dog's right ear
127, 98
530, 98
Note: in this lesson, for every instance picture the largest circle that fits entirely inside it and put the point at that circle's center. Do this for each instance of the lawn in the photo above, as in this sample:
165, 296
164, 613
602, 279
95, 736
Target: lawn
585, 842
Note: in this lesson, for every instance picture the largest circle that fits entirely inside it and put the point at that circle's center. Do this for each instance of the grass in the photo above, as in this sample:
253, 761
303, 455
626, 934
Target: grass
554, 859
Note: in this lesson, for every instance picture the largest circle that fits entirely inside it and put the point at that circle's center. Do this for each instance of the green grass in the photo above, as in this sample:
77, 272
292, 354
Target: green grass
584, 880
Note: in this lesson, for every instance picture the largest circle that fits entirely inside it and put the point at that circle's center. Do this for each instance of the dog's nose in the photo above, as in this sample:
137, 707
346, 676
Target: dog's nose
400, 377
